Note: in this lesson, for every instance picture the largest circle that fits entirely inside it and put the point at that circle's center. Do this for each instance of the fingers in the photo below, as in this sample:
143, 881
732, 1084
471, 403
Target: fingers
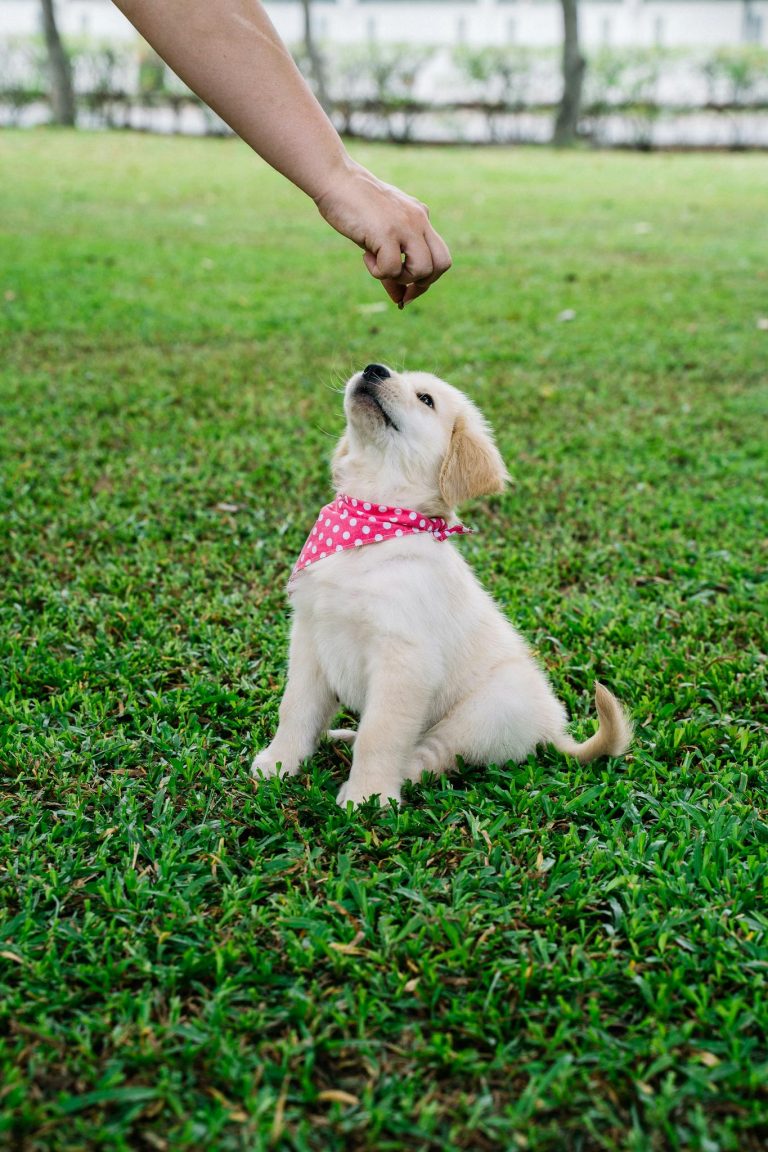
412, 292
418, 264
394, 289
419, 257
441, 256
386, 263
406, 273
440, 262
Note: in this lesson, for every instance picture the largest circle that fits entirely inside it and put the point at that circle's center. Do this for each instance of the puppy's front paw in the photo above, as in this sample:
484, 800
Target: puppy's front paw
359, 792
265, 766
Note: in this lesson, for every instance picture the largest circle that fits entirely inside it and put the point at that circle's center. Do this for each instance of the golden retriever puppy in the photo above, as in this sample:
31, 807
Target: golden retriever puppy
388, 618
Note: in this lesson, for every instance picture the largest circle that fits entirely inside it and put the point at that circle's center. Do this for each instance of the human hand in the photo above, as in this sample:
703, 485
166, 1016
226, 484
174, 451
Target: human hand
401, 248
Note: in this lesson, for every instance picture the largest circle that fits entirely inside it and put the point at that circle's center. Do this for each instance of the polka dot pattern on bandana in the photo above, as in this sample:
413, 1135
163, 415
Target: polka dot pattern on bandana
350, 523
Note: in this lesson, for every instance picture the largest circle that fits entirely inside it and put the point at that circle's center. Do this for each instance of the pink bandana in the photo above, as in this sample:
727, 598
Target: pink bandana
348, 523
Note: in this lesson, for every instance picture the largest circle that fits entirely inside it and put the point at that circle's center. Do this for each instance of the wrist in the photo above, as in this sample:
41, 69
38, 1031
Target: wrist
340, 172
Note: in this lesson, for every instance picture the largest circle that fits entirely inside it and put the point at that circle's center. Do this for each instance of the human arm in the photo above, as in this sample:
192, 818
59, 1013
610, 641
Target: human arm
229, 53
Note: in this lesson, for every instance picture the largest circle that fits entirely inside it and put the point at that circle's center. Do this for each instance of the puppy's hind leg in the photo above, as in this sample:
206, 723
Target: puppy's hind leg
435, 753
501, 719
507, 719
308, 704
455, 735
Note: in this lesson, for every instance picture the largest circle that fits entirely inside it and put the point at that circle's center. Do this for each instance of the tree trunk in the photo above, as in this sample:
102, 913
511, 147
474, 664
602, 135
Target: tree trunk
59, 70
574, 64
315, 58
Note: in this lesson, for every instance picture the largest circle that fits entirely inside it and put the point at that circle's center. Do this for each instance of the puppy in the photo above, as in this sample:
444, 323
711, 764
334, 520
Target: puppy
389, 620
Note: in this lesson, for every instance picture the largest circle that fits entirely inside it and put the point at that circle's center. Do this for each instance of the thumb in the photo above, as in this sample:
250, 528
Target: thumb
386, 262
395, 291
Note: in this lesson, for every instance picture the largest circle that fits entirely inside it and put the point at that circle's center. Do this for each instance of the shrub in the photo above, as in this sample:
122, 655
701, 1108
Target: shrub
500, 75
737, 75
624, 81
23, 78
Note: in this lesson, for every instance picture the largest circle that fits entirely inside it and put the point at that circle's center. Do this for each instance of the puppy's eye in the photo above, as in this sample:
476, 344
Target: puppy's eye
426, 399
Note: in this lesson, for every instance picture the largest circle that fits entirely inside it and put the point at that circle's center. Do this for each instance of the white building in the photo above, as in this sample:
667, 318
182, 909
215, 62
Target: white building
537, 23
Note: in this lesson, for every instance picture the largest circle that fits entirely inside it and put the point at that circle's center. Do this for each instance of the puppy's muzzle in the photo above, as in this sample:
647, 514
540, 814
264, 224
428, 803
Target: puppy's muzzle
367, 389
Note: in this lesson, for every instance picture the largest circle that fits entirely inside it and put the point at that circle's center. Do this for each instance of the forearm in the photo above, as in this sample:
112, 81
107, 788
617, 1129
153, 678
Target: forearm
228, 52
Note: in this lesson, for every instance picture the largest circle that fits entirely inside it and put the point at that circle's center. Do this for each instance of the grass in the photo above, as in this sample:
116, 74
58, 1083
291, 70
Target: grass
539, 956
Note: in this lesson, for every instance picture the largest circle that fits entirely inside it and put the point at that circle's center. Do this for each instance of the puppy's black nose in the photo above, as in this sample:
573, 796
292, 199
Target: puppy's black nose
375, 372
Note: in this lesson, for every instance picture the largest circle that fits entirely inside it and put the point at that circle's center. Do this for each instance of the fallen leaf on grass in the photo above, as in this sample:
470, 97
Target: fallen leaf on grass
154, 1140
347, 949
278, 1122
336, 1096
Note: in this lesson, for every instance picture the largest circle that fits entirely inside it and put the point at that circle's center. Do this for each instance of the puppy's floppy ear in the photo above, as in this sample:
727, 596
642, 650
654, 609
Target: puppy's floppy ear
339, 456
472, 466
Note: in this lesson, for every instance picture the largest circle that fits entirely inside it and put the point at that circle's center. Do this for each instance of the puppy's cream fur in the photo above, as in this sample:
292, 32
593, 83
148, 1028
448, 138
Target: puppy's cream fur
401, 632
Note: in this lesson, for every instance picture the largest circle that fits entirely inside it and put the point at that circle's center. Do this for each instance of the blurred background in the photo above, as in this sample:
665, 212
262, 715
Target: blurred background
632, 73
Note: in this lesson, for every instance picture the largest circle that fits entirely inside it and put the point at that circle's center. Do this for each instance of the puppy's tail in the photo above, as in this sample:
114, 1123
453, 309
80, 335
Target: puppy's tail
613, 735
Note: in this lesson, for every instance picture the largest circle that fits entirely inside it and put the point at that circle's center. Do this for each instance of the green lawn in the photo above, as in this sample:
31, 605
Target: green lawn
541, 956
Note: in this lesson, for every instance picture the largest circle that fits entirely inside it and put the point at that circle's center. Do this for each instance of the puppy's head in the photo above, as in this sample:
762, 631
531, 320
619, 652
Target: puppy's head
414, 440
